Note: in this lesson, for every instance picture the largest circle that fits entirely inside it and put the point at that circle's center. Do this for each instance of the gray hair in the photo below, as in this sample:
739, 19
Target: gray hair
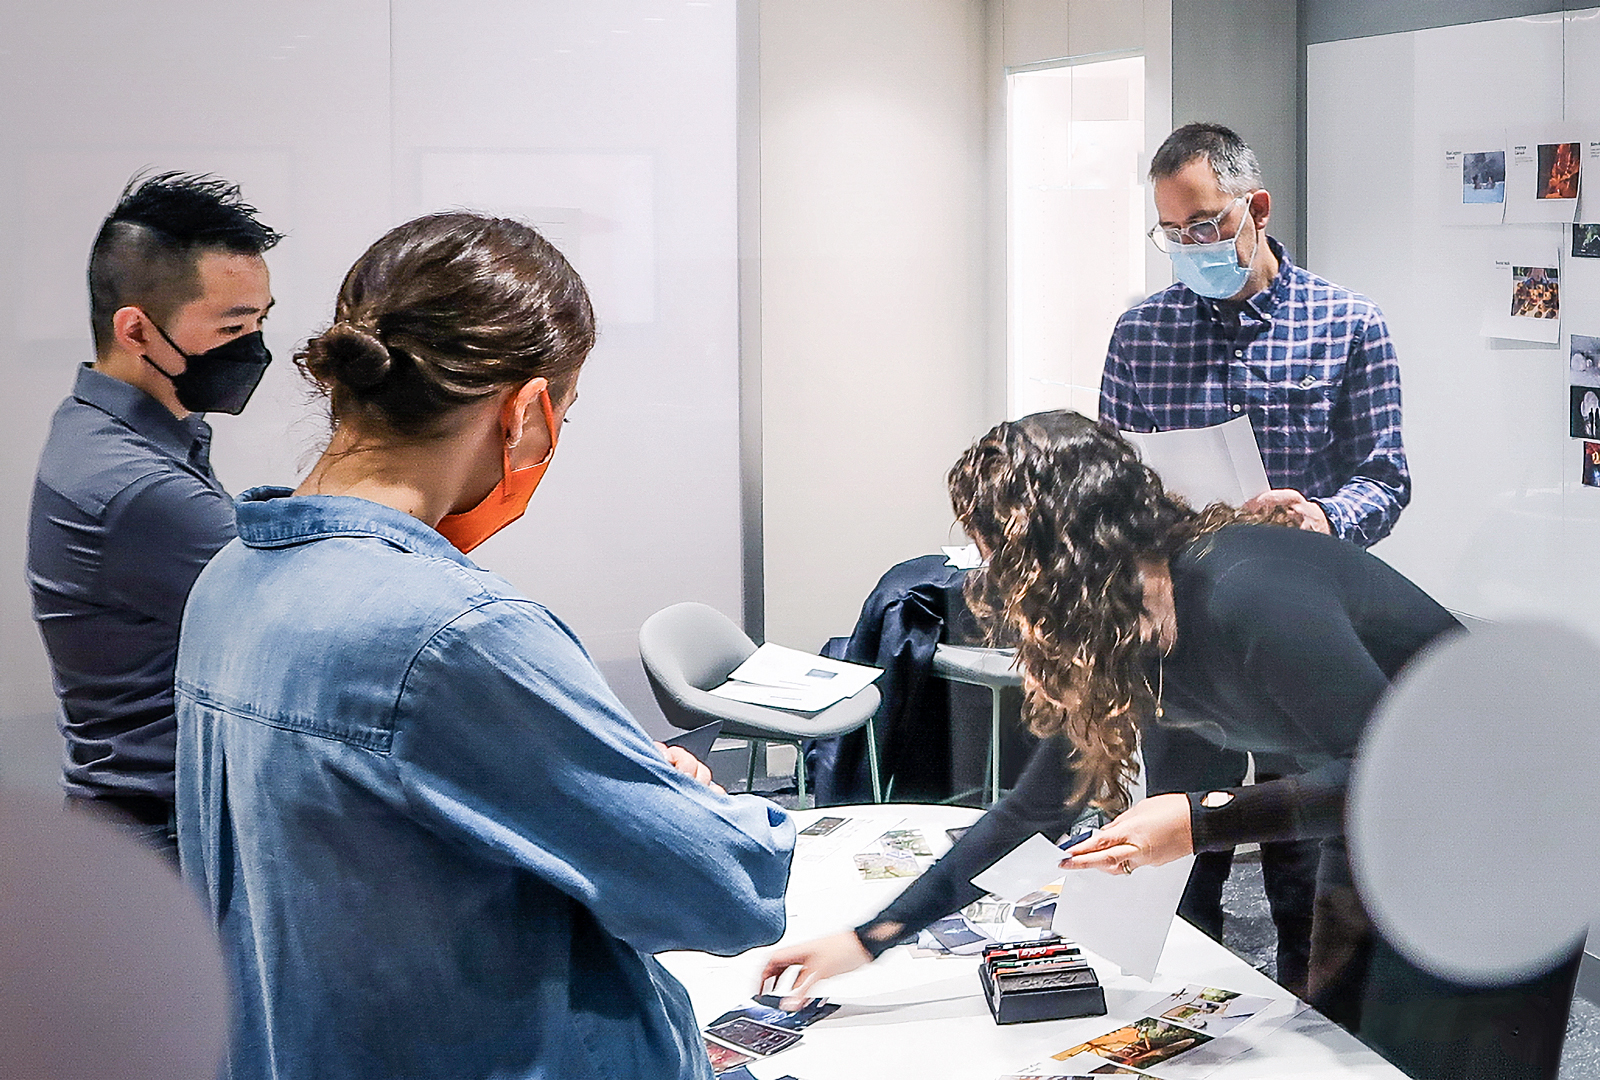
1234, 164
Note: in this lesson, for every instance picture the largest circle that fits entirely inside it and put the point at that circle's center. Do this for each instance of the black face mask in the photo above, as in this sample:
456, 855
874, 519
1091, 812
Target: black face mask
220, 379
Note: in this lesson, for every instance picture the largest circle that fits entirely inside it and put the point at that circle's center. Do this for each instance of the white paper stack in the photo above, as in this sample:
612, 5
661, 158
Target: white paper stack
781, 678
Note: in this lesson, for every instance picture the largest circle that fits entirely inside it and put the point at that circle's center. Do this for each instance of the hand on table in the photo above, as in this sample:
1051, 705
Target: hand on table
691, 766
1149, 833
819, 959
1307, 514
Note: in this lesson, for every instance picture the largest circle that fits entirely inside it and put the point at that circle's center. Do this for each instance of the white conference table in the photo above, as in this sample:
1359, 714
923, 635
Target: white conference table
925, 1018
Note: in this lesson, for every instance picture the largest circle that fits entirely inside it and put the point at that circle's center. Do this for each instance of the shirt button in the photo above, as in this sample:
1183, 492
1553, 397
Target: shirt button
1238, 352
1308, 382
1238, 408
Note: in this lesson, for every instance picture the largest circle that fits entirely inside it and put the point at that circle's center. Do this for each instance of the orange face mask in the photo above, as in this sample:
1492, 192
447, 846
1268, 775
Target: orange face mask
509, 498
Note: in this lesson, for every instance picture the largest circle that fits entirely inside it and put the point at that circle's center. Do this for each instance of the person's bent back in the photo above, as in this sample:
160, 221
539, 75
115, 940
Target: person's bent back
435, 843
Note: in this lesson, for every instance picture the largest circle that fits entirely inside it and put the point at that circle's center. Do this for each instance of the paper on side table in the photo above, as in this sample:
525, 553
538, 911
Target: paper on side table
790, 679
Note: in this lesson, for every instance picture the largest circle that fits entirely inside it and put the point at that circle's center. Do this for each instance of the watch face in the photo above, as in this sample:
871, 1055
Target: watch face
1214, 799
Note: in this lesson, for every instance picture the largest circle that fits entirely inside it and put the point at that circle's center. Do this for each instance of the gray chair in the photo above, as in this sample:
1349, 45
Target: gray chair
994, 668
689, 648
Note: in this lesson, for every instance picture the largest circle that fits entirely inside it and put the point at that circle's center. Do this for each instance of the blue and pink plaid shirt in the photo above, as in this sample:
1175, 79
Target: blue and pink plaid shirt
1309, 362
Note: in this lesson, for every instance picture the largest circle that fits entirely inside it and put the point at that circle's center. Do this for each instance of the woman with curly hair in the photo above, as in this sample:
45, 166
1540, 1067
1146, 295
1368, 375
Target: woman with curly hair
1128, 607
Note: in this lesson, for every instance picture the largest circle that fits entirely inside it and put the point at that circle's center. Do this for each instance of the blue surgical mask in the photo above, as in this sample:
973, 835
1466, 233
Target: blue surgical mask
1211, 270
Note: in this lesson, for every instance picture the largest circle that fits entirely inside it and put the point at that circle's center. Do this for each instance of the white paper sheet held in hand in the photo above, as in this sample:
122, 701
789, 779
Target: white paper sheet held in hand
1205, 465
1123, 917
790, 679
1028, 867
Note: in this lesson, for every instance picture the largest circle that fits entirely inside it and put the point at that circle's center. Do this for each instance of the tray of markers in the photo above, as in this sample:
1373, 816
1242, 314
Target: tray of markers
1039, 980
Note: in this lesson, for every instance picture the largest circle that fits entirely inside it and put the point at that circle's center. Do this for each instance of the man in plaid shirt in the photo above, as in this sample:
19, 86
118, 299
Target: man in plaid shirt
1310, 363
1245, 332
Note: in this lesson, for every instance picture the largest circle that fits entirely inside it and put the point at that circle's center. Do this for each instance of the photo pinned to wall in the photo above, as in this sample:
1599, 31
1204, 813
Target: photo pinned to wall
1591, 464
1589, 208
1535, 292
1560, 164
1585, 421
1583, 360
1473, 180
1544, 173
1524, 298
1586, 241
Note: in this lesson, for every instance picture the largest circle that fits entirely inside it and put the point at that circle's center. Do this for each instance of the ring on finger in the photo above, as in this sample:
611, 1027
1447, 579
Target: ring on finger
1126, 866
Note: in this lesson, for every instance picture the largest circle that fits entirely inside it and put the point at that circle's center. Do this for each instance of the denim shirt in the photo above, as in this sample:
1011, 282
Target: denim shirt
434, 842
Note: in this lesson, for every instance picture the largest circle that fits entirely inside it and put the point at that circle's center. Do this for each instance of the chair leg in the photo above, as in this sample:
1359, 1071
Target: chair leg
755, 746
872, 760
994, 745
800, 775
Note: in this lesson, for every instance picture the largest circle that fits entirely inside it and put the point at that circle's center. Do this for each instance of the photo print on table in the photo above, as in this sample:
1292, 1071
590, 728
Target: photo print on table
1583, 360
897, 853
1591, 464
1585, 412
1535, 292
1140, 1044
1586, 241
1483, 177
724, 1058
1210, 1009
1559, 166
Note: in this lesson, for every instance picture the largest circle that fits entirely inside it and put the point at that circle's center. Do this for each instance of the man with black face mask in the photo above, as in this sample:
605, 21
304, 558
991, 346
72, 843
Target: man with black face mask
126, 508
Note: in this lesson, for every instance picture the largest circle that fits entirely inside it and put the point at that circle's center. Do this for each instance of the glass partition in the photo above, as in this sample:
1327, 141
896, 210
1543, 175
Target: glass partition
1075, 203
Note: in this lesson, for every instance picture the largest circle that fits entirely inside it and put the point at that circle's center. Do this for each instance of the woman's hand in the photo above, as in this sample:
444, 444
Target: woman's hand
1149, 833
820, 959
689, 765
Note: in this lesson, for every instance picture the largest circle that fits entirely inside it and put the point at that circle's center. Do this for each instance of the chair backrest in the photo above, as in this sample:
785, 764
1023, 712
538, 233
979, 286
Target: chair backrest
689, 647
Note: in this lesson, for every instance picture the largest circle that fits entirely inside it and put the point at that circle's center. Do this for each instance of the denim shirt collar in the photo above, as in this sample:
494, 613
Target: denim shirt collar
272, 517
188, 439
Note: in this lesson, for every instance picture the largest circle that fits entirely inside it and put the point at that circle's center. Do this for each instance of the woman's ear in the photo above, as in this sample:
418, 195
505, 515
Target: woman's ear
523, 410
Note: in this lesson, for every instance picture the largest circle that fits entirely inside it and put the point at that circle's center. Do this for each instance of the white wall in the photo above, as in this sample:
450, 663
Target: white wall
883, 253
611, 122
874, 366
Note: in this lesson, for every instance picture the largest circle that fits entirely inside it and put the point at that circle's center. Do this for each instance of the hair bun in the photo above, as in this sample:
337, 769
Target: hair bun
354, 355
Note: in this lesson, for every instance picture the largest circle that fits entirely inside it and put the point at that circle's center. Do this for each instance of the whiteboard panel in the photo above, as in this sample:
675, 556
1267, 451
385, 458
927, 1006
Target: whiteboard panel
1499, 522
611, 125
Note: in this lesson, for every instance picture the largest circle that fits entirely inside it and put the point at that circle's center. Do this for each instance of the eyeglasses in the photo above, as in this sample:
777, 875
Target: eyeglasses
1208, 231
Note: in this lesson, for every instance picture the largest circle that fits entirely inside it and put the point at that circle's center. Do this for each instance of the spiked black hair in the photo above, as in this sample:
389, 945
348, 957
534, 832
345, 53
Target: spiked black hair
147, 250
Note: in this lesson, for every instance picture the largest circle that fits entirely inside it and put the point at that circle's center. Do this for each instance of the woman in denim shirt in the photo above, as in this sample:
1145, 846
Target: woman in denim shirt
435, 843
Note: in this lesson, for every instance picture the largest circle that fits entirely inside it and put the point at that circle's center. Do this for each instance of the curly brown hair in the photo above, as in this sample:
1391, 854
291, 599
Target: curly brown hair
1065, 513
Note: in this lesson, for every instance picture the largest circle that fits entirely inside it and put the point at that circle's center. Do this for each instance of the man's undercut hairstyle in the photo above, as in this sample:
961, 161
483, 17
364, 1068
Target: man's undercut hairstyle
1234, 164
147, 252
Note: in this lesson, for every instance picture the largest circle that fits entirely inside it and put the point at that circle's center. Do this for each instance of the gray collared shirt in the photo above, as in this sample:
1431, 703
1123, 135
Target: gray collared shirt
126, 512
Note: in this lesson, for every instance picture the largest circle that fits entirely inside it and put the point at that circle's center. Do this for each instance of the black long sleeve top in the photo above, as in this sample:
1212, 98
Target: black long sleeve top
1286, 641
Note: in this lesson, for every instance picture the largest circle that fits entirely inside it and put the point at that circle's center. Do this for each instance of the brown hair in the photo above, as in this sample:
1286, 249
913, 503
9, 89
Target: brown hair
1065, 511
442, 311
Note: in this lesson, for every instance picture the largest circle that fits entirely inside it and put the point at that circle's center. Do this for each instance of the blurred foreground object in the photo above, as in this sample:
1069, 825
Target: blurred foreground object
1472, 804
108, 965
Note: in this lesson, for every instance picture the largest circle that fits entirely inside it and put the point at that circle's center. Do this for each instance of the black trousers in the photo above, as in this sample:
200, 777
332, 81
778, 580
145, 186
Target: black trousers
1430, 1027
1176, 759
